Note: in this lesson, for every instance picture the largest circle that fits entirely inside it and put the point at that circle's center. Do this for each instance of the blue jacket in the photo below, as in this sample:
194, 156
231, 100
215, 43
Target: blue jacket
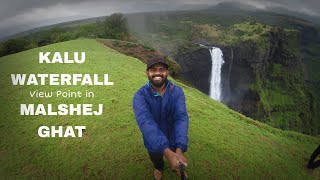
163, 120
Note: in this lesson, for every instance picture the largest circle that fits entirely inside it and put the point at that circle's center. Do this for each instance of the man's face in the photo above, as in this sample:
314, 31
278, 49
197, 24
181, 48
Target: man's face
157, 74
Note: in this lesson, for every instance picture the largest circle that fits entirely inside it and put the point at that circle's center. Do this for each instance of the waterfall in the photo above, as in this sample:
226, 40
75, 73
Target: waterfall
217, 61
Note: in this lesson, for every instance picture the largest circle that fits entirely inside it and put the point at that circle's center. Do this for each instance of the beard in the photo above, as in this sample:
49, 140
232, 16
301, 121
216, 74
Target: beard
157, 80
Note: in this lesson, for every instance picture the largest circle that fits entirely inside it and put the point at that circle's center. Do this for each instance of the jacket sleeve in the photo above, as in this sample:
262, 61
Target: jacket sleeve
181, 122
154, 139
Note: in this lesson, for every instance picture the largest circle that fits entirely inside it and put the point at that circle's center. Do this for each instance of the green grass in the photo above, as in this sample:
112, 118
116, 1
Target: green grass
223, 144
251, 30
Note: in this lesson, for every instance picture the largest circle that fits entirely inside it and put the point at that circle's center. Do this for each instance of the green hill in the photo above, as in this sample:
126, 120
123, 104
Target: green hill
223, 144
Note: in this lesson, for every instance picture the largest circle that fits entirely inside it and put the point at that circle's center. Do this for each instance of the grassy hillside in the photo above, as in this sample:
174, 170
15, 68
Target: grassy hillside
223, 144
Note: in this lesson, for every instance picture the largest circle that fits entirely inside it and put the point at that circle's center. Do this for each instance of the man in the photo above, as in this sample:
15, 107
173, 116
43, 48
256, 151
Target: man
160, 111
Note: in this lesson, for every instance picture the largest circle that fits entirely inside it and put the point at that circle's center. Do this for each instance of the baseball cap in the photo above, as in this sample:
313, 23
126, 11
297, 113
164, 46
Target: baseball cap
156, 60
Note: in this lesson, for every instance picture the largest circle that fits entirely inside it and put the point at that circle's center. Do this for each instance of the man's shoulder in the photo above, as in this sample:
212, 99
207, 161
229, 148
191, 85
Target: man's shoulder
174, 88
142, 90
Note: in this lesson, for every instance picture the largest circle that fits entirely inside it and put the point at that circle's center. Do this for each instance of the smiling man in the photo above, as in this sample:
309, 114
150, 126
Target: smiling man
160, 111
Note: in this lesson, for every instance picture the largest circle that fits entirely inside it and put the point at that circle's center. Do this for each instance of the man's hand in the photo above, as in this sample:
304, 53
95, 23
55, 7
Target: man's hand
181, 159
175, 158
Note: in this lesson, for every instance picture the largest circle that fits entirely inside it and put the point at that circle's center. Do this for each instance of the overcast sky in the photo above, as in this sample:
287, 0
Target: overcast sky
20, 15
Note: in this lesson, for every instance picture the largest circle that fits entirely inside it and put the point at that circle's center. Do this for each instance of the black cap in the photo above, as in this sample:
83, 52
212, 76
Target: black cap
156, 60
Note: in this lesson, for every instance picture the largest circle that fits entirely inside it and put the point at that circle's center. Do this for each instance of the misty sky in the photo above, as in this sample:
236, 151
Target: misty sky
21, 15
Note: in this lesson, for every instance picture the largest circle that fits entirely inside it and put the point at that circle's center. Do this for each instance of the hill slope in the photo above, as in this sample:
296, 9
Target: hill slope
223, 144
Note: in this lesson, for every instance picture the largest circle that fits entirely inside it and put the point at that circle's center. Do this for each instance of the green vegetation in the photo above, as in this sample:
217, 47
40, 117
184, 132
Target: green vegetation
235, 33
113, 26
311, 55
248, 32
223, 144
277, 69
285, 101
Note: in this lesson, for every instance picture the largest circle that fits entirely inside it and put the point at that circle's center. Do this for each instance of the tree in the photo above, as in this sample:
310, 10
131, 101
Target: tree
13, 46
115, 26
88, 30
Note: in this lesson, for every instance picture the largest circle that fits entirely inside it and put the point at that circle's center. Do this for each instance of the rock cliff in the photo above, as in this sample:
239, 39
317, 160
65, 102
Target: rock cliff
262, 79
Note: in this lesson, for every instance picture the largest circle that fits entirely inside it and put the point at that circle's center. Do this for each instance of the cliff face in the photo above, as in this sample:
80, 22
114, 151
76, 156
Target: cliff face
262, 79
196, 68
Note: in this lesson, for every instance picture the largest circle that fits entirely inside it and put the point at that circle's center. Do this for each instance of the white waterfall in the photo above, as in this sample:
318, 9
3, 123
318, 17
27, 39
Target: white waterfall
217, 61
